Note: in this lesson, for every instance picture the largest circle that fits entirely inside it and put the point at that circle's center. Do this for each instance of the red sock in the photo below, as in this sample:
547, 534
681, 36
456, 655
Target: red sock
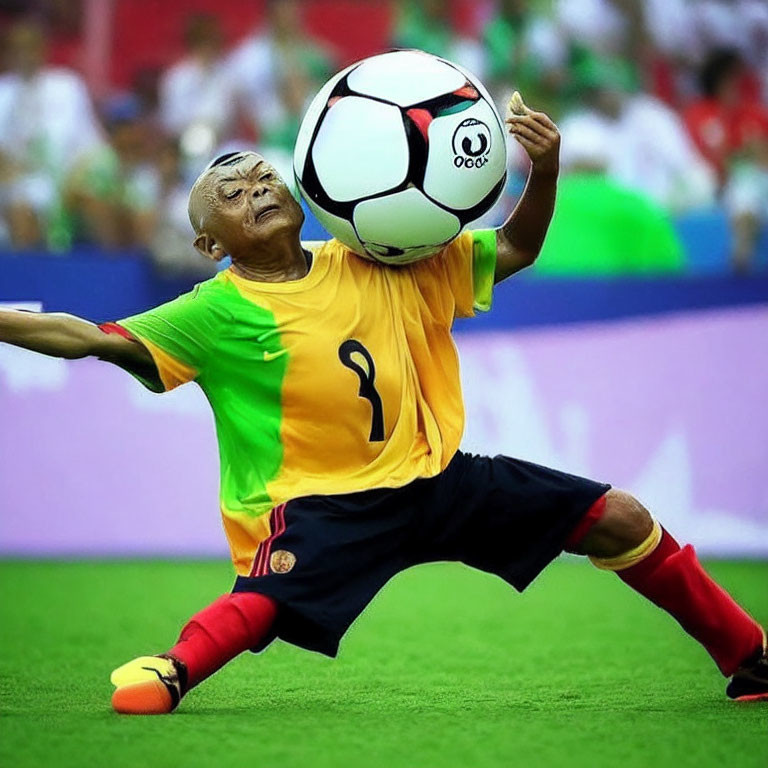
227, 627
673, 579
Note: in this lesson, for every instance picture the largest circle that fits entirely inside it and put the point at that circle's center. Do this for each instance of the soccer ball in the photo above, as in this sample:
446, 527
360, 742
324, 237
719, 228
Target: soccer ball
398, 152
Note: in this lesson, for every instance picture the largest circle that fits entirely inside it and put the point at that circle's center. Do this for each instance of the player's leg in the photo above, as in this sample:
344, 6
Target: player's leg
327, 558
212, 637
621, 536
514, 517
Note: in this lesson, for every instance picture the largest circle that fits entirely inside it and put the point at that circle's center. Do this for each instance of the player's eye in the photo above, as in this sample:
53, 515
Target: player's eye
268, 177
234, 194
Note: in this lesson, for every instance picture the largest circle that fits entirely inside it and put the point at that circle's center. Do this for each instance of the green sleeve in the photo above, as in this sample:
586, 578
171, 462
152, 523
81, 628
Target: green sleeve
483, 267
183, 329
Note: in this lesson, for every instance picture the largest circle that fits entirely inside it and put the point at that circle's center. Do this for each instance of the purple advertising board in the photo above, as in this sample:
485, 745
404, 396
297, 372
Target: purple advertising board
672, 409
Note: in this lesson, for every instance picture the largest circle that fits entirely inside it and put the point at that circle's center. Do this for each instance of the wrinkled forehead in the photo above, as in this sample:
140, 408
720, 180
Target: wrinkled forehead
232, 164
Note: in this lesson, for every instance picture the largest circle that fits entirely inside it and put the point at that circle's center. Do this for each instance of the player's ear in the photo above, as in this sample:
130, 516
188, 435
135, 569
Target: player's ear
208, 247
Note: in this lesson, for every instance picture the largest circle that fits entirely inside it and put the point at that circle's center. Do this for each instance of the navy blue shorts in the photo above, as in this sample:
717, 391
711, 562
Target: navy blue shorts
330, 555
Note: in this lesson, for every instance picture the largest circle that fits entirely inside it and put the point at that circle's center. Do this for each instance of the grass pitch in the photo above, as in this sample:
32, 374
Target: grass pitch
448, 667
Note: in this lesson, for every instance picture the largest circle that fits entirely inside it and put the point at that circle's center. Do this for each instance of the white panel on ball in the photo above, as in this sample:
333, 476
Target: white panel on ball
405, 77
461, 145
419, 221
376, 164
310, 120
342, 229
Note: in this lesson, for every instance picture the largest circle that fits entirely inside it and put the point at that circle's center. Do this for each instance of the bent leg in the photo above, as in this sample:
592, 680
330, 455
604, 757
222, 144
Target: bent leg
226, 628
627, 540
325, 560
230, 625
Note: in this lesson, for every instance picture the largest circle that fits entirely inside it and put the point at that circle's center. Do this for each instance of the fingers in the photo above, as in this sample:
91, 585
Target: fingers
536, 120
535, 131
531, 147
519, 111
537, 137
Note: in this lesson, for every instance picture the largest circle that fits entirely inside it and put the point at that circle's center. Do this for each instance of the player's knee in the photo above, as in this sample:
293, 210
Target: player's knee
624, 525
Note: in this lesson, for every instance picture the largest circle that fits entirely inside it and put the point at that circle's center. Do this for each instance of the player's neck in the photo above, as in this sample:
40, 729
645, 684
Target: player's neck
282, 262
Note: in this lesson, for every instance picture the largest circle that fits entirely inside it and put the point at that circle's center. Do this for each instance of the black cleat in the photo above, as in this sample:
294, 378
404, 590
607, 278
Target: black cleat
750, 681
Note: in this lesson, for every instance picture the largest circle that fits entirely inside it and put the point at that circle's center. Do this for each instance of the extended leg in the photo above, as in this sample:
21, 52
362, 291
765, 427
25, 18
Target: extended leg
627, 540
230, 625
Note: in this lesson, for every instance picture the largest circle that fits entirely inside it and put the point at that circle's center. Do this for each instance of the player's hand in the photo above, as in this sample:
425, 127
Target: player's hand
536, 133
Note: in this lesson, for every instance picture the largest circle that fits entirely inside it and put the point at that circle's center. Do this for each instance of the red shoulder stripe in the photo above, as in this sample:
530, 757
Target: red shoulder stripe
118, 329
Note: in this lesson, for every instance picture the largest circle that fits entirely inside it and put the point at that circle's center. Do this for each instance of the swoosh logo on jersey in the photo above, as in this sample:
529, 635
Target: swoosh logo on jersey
274, 355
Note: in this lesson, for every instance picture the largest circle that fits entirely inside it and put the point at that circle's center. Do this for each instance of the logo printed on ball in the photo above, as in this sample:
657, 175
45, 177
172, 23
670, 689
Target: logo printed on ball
471, 144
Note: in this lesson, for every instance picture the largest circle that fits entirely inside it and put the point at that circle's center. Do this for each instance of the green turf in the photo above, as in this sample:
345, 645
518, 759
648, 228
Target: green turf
446, 668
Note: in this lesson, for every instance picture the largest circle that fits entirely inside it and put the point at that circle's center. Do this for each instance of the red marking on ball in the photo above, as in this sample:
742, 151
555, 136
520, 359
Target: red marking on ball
421, 119
467, 92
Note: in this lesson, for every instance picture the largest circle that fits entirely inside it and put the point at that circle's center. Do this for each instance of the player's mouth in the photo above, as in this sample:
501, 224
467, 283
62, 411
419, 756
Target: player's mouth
266, 211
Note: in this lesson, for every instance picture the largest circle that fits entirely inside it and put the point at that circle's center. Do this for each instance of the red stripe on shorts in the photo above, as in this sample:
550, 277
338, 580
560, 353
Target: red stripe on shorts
259, 555
279, 529
277, 526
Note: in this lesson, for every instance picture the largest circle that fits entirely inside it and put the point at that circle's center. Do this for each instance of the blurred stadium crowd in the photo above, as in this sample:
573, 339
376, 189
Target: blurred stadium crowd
109, 109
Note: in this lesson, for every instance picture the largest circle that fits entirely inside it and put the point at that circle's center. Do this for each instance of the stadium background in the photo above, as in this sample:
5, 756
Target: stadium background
635, 352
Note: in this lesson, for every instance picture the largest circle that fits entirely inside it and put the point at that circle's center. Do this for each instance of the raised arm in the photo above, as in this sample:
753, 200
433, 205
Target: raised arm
519, 240
70, 337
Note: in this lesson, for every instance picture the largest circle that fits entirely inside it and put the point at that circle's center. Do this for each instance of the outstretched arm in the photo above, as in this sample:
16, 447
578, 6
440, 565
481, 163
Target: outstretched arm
519, 240
70, 337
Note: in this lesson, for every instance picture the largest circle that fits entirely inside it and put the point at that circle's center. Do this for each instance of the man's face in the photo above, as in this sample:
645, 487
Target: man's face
514, 8
247, 204
285, 17
436, 9
25, 49
129, 140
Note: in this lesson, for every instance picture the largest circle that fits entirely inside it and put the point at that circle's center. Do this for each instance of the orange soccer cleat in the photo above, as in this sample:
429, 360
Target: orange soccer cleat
149, 685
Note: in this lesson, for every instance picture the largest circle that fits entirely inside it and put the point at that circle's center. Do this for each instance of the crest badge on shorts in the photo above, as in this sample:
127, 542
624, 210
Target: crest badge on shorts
282, 561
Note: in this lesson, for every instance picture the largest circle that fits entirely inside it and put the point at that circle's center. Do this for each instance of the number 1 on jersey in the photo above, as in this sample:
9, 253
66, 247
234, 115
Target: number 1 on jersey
367, 384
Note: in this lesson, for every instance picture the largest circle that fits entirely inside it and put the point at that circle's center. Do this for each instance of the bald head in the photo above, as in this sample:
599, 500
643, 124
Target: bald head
241, 207
203, 196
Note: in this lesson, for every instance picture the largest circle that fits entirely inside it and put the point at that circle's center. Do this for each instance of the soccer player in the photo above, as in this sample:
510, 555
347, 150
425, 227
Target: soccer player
334, 382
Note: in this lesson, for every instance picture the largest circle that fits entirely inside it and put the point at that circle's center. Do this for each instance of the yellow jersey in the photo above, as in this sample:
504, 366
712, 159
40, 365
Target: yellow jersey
342, 381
